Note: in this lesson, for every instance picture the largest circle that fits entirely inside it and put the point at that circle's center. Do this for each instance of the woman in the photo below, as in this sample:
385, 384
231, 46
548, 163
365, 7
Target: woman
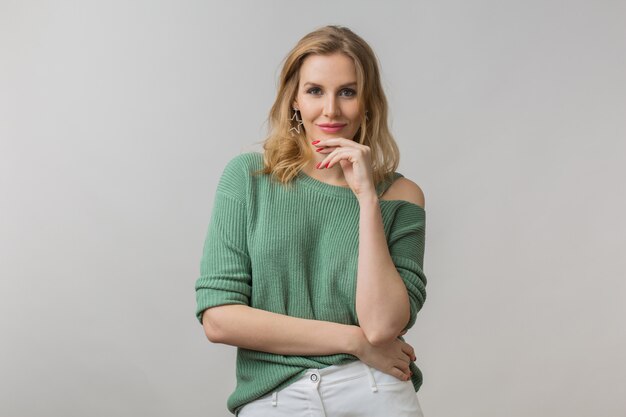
312, 263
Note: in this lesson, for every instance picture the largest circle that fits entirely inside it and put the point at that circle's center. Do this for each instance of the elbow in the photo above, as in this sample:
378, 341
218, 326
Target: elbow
383, 335
376, 340
217, 320
211, 328
380, 338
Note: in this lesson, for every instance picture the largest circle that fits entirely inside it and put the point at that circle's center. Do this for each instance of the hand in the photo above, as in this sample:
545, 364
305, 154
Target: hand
392, 358
355, 160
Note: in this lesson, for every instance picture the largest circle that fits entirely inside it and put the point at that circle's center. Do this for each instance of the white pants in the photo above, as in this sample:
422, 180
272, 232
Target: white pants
351, 390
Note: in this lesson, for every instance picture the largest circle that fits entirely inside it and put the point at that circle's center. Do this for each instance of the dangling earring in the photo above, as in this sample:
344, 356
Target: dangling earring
299, 120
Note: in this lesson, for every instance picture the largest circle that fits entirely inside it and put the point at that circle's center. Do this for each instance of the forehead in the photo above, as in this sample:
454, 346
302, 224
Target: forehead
328, 69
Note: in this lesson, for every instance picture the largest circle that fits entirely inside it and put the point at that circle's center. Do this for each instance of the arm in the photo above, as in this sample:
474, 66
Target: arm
224, 287
256, 329
251, 328
382, 301
390, 280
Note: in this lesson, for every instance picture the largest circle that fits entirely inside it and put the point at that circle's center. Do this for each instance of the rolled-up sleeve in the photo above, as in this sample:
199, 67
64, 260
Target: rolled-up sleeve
406, 247
225, 267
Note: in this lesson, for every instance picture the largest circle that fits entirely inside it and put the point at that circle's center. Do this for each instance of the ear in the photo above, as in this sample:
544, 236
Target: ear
295, 105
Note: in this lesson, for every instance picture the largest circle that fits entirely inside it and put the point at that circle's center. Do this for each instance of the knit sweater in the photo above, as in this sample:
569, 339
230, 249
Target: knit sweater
293, 249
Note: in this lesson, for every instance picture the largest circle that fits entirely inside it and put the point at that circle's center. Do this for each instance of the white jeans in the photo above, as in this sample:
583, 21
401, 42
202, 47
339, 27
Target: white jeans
351, 390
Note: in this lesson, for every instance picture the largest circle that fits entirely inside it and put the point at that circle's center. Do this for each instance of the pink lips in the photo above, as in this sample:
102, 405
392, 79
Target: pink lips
331, 127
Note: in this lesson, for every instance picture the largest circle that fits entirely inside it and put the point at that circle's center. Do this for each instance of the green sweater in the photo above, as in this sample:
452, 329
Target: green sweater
293, 250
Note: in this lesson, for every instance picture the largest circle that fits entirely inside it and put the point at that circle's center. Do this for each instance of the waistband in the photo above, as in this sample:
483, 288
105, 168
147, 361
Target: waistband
338, 373
333, 374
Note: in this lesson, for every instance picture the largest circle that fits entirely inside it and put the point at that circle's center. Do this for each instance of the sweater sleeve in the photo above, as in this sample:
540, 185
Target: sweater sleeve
225, 268
406, 247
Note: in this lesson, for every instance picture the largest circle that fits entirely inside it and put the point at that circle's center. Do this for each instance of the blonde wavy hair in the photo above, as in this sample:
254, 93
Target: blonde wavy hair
285, 152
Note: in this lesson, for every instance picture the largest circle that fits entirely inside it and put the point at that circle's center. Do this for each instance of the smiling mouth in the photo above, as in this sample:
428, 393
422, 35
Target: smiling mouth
335, 129
332, 125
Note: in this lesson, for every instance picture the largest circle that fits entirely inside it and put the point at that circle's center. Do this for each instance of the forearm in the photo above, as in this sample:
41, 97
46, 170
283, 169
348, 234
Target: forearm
256, 329
382, 299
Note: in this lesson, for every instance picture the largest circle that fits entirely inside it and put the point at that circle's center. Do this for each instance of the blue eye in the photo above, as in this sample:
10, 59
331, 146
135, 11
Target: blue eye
346, 92
351, 91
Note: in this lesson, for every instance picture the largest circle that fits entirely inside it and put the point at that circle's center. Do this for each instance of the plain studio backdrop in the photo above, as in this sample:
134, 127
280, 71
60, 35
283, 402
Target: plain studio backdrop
117, 118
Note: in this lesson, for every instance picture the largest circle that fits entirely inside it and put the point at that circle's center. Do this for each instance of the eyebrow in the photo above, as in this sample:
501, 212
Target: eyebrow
341, 86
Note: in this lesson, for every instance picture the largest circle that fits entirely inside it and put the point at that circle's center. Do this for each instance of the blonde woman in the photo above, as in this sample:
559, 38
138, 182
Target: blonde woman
313, 259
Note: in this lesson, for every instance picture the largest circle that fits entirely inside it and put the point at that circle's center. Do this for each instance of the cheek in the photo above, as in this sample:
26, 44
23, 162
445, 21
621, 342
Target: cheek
307, 113
352, 111
356, 118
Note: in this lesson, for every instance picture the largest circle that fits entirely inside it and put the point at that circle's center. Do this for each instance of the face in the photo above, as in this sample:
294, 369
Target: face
327, 95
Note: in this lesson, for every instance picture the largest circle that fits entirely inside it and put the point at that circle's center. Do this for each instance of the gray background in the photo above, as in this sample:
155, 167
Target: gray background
117, 117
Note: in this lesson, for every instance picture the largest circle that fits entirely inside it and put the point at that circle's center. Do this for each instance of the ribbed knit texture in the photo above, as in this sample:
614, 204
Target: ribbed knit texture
293, 250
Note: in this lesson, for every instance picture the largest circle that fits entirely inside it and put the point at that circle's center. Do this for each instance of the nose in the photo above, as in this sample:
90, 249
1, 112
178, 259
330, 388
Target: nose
331, 108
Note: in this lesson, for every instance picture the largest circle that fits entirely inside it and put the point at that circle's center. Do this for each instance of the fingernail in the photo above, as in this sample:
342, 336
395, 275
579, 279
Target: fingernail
318, 164
318, 149
315, 141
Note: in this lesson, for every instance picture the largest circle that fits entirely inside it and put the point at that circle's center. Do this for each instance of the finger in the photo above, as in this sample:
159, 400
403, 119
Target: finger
339, 155
325, 149
322, 164
405, 368
333, 157
319, 145
403, 365
409, 351
401, 373
406, 360
338, 142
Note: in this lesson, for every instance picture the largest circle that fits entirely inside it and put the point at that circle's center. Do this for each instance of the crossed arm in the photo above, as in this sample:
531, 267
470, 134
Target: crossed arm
382, 302
256, 329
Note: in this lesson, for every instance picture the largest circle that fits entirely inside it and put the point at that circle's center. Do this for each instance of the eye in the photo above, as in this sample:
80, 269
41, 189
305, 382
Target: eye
311, 90
351, 92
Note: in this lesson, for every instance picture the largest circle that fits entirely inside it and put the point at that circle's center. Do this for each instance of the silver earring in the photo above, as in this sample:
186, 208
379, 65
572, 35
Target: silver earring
295, 117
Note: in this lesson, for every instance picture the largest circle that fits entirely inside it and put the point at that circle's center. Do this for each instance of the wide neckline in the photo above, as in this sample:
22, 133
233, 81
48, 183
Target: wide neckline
346, 192
324, 187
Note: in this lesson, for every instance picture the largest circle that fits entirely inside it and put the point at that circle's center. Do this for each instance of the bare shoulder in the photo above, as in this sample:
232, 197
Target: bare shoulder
405, 189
